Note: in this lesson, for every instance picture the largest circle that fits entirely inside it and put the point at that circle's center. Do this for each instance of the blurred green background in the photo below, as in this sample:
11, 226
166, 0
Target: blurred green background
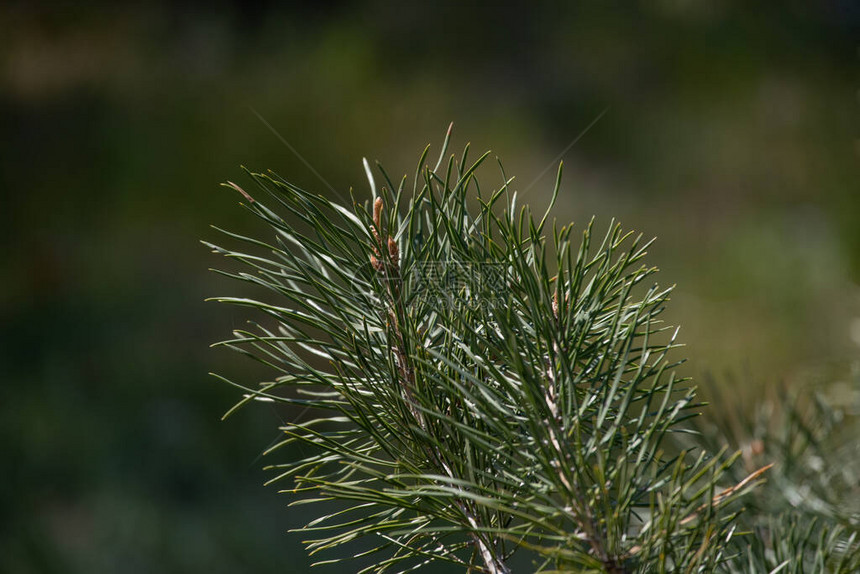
731, 135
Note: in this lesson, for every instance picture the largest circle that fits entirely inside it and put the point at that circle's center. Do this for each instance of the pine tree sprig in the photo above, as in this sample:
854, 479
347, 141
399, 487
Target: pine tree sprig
483, 382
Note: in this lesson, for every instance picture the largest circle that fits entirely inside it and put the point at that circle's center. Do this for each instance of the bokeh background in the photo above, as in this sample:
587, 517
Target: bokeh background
730, 132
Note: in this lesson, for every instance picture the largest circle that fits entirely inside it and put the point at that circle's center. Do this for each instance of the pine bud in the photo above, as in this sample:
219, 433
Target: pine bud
377, 212
393, 251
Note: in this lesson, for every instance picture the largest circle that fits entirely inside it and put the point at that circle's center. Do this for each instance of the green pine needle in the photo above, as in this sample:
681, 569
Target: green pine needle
479, 385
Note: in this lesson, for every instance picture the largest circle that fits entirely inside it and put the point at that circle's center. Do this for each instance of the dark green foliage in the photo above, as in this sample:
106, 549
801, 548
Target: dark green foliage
806, 518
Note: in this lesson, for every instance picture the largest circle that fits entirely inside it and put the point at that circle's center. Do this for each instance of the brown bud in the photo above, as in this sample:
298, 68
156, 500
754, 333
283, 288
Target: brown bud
757, 447
377, 212
376, 263
393, 251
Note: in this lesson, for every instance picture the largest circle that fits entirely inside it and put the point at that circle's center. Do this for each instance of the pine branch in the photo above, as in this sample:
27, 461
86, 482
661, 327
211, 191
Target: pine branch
481, 385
